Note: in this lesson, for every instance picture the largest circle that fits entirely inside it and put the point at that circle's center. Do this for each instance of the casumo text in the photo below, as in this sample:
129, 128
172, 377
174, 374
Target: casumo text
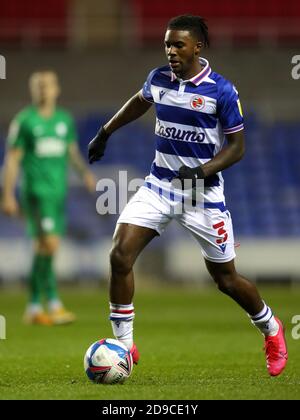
174, 133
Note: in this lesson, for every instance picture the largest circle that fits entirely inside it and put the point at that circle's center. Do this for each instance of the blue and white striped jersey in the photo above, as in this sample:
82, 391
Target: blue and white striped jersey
193, 117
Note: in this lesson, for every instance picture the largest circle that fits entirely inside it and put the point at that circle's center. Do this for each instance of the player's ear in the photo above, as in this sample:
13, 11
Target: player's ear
198, 48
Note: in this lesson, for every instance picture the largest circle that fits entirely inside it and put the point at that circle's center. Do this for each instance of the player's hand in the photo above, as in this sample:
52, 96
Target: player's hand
189, 176
10, 206
89, 181
97, 146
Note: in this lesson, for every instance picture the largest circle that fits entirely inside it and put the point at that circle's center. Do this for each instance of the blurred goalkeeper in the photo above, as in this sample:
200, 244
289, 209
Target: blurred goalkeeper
42, 140
199, 132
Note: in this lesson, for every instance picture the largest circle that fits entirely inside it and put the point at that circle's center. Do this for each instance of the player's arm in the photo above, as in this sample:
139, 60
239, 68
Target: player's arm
230, 115
10, 175
133, 109
80, 166
230, 154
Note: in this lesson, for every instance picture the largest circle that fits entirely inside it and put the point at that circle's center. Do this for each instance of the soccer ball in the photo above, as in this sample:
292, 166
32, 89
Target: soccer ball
108, 361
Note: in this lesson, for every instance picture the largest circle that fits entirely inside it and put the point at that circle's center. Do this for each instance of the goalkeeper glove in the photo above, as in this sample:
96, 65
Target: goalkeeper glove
97, 146
186, 173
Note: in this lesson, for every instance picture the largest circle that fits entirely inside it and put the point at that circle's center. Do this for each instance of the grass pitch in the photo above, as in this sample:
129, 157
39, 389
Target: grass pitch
194, 344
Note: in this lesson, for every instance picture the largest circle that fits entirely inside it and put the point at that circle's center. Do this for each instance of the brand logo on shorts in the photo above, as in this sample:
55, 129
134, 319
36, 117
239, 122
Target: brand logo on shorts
197, 102
223, 247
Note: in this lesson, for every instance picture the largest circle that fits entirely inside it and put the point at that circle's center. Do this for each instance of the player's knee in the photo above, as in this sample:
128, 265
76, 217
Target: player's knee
225, 282
120, 260
226, 286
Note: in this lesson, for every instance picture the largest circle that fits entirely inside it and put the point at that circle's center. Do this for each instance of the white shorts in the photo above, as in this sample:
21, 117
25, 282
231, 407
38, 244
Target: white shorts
211, 227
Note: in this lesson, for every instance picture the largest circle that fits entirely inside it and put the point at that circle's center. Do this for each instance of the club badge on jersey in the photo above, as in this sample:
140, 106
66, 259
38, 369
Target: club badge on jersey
197, 102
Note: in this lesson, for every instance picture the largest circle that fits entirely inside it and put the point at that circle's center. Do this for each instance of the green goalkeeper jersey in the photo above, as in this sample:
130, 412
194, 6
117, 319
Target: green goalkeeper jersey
44, 142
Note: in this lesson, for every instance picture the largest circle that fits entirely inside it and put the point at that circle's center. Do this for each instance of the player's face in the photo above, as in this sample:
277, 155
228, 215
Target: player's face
44, 88
182, 51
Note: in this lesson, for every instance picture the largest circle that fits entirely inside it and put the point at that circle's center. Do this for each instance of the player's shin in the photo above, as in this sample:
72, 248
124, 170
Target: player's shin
265, 321
121, 317
50, 281
35, 282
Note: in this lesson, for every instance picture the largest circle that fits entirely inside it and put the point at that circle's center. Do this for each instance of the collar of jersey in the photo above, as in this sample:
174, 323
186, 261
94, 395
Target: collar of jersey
196, 80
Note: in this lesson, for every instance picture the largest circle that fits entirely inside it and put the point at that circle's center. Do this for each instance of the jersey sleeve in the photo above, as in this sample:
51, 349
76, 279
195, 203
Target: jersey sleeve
230, 110
146, 90
16, 134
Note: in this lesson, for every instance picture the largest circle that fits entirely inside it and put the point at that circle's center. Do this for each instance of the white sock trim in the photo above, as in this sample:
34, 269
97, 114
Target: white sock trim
114, 306
263, 316
121, 312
